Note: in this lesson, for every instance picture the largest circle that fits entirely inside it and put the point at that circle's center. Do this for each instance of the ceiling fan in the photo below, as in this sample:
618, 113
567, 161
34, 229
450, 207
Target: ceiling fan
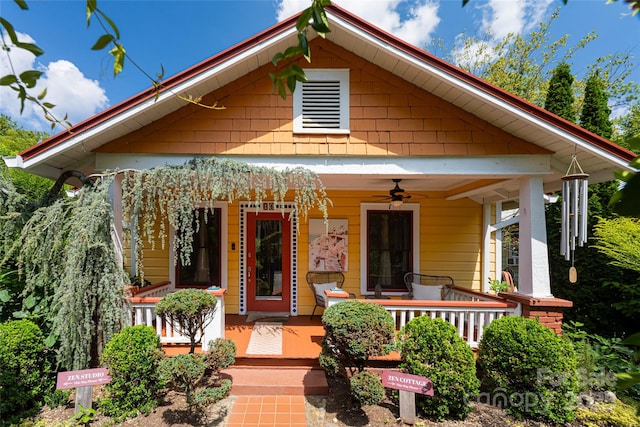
397, 195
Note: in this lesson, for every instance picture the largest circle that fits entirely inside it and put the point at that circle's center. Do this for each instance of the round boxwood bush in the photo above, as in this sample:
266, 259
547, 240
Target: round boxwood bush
355, 331
133, 357
25, 369
366, 388
528, 369
432, 348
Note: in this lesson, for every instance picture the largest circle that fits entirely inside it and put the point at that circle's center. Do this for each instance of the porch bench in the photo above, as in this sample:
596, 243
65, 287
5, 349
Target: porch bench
427, 286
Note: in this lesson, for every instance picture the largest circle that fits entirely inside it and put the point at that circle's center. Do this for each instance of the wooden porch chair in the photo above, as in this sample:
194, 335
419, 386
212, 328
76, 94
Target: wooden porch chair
445, 283
319, 281
507, 277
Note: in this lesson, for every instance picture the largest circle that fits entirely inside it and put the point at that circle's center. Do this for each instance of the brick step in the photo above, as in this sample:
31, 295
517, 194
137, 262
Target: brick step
276, 380
270, 361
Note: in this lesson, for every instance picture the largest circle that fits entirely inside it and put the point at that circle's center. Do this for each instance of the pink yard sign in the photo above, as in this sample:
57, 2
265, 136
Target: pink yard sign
86, 377
407, 382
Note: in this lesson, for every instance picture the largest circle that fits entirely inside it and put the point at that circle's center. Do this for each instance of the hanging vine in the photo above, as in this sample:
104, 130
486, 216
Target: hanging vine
167, 195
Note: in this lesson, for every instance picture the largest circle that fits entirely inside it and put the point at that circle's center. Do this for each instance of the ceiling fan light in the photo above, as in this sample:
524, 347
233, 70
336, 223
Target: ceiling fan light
396, 203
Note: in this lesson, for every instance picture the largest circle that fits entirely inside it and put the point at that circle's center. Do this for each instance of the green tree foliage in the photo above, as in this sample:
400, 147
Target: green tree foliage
596, 292
596, 111
625, 200
191, 309
628, 128
560, 99
619, 238
522, 64
14, 139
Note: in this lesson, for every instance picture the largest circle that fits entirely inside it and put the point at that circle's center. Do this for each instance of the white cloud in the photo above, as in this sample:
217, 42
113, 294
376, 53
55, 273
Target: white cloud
503, 17
413, 21
68, 89
499, 19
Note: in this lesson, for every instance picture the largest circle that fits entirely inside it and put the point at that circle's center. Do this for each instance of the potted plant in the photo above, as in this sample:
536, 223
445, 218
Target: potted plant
498, 286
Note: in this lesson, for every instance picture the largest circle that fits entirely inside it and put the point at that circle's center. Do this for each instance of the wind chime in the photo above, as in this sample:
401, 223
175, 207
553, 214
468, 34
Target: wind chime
575, 196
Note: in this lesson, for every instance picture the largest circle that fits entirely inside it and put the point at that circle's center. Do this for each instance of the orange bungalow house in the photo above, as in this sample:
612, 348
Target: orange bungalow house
461, 147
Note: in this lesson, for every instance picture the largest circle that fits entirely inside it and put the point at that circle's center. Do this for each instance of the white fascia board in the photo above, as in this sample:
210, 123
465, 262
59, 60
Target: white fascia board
13, 161
42, 170
444, 166
483, 95
167, 95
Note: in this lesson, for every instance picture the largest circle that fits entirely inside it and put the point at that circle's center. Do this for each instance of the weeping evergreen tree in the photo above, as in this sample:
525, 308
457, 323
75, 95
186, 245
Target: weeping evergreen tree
67, 254
560, 99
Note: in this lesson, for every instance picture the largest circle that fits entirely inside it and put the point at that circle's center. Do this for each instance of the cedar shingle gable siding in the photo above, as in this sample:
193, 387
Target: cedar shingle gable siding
389, 117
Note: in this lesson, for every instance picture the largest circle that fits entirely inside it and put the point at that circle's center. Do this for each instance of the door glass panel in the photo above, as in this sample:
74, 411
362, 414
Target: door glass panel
268, 258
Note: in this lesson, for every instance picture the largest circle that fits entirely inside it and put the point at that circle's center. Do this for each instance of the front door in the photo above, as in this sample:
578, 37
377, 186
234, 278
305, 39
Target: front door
268, 258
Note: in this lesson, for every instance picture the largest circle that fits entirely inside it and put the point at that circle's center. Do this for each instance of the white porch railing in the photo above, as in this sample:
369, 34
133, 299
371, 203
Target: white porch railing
470, 312
143, 312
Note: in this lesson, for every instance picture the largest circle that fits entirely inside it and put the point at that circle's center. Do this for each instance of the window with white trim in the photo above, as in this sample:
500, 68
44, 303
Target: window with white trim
321, 104
208, 260
390, 246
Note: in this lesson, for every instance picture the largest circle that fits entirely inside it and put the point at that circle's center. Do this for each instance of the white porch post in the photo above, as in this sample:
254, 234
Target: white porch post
533, 277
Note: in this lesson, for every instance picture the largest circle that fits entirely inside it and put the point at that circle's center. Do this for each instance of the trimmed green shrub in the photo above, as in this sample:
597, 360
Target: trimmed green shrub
529, 370
222, 354
192, 309
186, 373
133, 357
25, 369
432, 348
183, 372
366, 388
330, 363
355, 331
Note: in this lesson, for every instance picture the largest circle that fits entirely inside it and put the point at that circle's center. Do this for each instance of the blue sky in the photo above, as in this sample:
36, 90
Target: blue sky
180, 33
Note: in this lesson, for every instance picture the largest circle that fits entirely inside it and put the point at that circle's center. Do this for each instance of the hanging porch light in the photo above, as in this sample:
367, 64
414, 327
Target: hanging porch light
575, 197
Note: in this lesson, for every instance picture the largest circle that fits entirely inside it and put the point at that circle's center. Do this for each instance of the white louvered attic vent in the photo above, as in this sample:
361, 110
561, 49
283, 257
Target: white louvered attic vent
321, 103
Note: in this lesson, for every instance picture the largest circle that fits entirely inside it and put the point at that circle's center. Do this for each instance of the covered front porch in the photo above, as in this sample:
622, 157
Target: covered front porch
301, 336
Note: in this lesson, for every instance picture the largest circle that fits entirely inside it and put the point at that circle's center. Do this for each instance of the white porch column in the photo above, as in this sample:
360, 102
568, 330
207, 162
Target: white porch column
533, 277
215, 329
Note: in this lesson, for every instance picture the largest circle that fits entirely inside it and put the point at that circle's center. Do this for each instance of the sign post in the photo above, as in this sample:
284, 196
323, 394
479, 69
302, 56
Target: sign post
83, 381
408, 385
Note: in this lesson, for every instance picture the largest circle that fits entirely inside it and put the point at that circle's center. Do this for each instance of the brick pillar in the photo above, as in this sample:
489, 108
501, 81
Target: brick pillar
548, 311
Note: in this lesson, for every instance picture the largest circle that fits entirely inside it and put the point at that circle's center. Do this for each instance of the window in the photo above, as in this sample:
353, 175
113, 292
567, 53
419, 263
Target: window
321, 104
205, 262
390, 245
